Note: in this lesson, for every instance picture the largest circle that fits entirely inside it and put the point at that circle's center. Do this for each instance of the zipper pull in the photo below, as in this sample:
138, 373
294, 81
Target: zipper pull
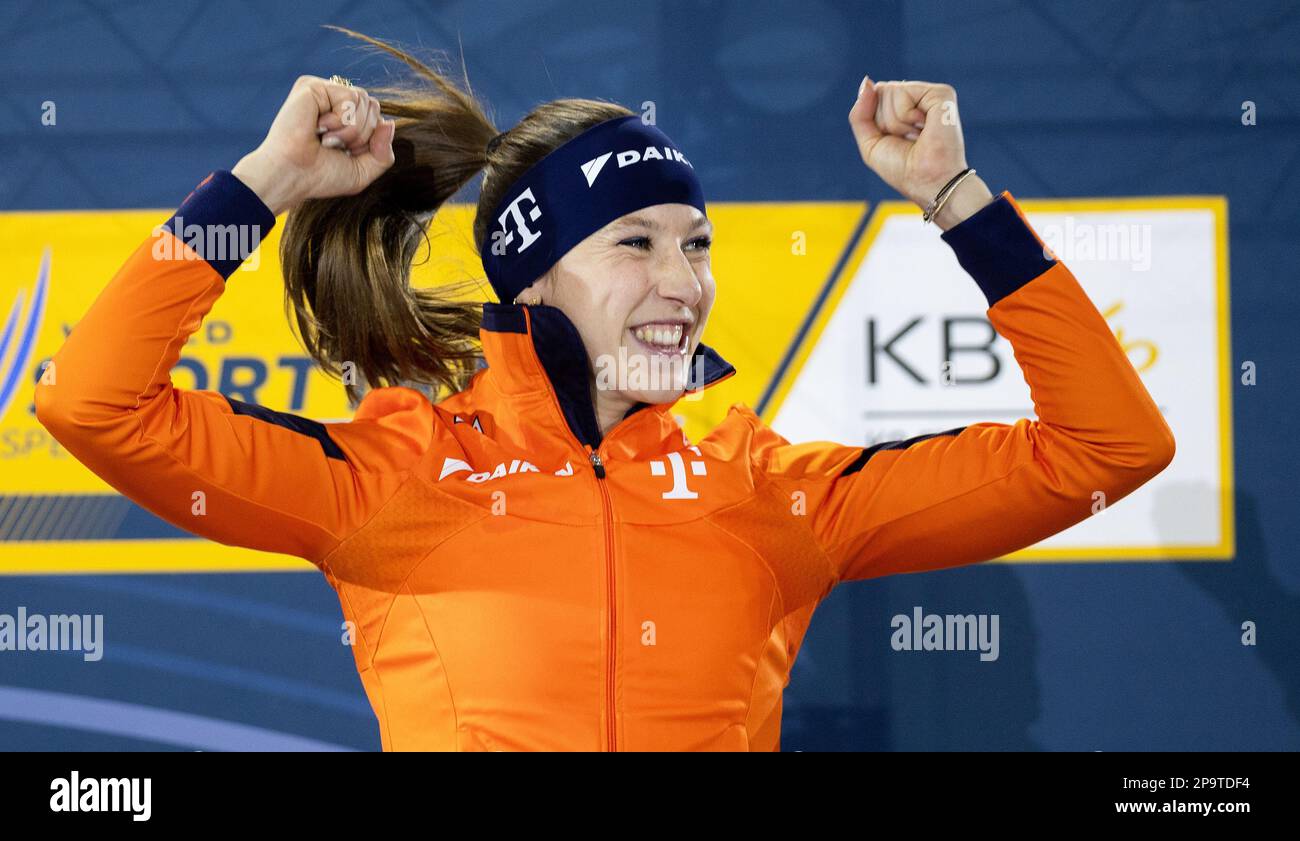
598, 464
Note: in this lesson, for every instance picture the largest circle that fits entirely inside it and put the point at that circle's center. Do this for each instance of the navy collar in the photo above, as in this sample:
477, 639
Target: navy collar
565, 362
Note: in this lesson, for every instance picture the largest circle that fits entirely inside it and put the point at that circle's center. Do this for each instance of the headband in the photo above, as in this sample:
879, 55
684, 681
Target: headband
611, 169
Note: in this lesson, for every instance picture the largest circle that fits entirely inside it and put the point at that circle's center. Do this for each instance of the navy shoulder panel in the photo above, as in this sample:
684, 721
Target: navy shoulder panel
865, 456
301, 425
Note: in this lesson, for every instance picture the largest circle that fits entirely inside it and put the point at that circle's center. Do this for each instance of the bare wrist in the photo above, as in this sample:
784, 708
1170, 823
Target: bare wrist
969, 197
268, 181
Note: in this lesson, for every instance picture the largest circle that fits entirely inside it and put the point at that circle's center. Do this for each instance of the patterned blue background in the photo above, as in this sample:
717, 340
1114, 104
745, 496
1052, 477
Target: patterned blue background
1058, 99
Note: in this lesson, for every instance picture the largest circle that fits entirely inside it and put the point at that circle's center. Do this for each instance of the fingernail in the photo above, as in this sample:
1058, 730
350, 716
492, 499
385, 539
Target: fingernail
911, 135
321, 130
332, 143
863, 87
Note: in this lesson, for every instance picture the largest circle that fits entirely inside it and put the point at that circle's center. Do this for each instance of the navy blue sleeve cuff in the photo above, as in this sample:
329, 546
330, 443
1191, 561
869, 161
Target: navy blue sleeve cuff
223, 221
998, 248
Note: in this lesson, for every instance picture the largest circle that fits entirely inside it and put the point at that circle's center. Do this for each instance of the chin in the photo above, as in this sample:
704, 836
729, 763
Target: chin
657, 396
641, 376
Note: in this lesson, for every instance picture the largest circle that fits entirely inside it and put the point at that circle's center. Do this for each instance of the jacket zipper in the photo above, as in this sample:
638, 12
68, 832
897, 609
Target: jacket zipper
599, 467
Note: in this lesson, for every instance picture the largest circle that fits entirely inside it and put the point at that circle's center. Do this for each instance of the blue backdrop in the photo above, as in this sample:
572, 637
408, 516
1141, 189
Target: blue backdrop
1058, 99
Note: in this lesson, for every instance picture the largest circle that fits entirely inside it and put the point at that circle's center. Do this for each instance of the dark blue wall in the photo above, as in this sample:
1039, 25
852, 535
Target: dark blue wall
1058, 99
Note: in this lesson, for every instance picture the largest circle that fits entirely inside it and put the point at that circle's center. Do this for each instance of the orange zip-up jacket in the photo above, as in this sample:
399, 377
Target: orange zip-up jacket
518, 582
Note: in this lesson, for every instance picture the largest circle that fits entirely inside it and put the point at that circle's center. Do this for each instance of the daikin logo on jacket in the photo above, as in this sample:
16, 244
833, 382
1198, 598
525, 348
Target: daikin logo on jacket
674, 465
451, 466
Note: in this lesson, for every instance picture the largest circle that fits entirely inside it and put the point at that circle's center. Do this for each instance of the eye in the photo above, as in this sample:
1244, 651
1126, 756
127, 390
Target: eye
702, 243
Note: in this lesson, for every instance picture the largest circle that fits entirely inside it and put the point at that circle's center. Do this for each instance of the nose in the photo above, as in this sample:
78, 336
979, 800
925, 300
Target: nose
675, 279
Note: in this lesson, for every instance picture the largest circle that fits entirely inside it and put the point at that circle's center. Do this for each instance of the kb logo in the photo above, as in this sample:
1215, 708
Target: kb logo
679, 489
514, 210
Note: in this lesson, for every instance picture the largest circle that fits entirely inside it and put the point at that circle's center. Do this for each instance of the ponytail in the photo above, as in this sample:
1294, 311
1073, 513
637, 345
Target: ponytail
347, 260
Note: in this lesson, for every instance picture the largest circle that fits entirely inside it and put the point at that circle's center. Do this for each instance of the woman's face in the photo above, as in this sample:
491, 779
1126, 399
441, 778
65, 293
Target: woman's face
639, 291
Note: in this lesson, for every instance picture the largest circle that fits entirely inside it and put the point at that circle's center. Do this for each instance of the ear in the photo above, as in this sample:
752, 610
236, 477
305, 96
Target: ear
543, 289
530, 295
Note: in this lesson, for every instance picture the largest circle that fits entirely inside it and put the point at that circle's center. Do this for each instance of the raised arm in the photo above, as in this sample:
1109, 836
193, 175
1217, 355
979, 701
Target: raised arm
979, 492
984, 490
237, 473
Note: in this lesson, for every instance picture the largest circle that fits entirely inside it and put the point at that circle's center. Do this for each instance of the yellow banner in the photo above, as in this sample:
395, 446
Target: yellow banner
771, 262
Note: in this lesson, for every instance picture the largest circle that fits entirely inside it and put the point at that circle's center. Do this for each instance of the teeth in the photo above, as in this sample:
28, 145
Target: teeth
667, 337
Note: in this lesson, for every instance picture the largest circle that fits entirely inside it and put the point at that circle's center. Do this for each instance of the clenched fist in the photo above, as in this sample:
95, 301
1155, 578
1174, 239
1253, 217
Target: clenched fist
909, 134
327, 140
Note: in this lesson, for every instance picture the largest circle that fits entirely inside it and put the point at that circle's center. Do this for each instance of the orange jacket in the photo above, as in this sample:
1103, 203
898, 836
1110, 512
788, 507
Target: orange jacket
516, 582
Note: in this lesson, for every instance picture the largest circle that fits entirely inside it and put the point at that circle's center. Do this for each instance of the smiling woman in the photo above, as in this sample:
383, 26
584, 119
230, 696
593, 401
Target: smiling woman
639, 292
541, 560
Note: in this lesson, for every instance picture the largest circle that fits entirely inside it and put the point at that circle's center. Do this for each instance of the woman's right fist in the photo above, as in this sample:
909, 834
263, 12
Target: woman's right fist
327, 140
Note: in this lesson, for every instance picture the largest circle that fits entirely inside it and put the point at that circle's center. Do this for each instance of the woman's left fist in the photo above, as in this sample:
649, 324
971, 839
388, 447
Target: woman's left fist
909, 134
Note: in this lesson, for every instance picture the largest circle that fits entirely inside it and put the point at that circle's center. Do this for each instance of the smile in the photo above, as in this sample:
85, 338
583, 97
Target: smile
664, 338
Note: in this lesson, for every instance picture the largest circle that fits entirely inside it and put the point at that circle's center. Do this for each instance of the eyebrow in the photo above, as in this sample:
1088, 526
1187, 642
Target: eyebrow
647, 222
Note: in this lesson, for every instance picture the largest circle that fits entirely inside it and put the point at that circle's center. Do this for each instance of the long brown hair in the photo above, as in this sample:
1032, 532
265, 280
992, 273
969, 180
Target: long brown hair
347, 260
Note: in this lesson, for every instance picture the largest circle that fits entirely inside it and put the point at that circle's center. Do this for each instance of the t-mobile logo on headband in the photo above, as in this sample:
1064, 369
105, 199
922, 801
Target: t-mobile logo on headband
591, 169
502, 238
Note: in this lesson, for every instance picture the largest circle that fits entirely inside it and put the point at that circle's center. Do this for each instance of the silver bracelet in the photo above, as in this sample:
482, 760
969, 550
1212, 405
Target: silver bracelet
948, 190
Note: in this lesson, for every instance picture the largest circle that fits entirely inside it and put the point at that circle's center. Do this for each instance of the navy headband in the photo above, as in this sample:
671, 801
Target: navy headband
611, 169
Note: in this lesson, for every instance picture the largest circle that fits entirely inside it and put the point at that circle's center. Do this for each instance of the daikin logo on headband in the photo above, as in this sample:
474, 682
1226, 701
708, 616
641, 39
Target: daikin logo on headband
592, 168
591, 171
611, 169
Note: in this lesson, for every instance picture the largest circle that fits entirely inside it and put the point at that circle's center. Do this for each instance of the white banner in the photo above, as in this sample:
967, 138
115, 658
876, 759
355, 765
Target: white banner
872, 367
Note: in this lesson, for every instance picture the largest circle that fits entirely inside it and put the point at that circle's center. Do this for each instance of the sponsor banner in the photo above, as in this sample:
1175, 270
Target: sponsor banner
902, 347
800, 288
58, 517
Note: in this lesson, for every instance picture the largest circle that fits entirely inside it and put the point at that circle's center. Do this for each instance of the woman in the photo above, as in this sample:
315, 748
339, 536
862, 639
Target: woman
542, 560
